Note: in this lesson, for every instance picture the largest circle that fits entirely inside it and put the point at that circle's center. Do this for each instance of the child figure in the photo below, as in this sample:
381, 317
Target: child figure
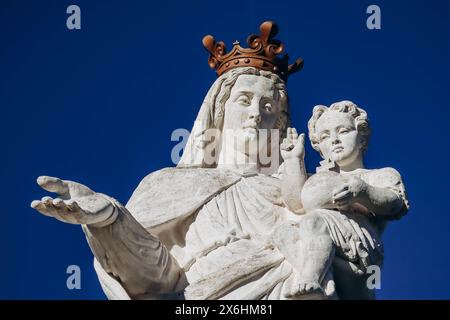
341, 210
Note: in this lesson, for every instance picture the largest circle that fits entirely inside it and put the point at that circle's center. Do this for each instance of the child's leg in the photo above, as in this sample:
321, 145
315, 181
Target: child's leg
308, 247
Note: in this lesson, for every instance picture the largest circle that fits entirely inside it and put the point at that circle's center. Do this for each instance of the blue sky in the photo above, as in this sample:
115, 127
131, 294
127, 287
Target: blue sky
98, 105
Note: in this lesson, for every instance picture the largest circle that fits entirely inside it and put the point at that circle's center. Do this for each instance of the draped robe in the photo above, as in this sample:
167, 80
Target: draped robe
217, 226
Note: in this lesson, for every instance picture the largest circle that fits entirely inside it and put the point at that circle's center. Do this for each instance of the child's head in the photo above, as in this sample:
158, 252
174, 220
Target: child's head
340, 133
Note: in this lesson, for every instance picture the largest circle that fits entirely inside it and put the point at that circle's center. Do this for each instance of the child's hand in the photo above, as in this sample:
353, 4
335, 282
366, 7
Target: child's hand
293, 146
350, 192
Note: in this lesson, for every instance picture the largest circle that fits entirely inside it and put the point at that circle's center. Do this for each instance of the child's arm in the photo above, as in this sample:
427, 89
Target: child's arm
294, 175
384, 195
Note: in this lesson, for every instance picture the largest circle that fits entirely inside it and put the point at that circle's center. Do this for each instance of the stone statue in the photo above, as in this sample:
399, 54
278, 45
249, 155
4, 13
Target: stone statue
343, 208
225, 225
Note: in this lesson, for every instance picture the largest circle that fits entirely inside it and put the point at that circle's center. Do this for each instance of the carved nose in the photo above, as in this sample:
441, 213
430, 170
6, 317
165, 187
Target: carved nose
335, 141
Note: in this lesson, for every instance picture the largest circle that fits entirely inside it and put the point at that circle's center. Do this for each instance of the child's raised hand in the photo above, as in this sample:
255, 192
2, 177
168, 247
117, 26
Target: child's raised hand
293, 146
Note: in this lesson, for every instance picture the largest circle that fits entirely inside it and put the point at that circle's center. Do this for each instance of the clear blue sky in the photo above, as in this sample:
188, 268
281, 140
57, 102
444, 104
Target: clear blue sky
98, 106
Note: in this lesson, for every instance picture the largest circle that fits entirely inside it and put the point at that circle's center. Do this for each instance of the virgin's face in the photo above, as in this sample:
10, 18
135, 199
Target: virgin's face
253, 106
339, 139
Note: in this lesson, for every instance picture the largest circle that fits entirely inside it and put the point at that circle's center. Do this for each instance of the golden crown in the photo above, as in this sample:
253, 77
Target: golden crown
262, 54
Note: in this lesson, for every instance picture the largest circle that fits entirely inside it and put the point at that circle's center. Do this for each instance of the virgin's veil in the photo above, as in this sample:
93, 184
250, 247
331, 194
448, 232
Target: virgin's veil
194, 151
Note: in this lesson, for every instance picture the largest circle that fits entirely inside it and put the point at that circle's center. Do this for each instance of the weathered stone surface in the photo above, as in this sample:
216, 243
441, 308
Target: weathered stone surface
222, 226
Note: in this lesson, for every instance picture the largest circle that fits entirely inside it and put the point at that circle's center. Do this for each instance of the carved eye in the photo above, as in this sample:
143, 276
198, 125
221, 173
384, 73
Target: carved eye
324, 136
344, 130
244, 100
268, 107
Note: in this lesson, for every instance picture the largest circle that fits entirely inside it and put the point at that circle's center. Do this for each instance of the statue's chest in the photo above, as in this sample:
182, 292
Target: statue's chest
247, 210
252, 206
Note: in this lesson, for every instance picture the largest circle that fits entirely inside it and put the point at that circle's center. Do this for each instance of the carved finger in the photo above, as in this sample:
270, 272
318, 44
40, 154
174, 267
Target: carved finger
288, 131
53, 184
301, 139
344, 195
41, 208
342, 189
64, 213
58, 203
294, 134
288, 147
61, 208
72, 205
48, 201
47, 208
77, 190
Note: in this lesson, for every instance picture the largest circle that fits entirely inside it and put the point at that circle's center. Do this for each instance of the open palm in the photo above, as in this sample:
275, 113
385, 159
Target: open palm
76, 203
293, 146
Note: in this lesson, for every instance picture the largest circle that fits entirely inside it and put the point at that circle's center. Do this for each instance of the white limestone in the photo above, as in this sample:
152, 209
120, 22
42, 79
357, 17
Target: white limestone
223, 226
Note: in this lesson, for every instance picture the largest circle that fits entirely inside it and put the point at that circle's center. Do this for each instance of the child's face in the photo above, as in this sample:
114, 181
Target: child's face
339, 140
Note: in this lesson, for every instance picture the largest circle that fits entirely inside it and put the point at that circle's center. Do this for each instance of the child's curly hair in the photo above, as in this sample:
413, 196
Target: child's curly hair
360, 116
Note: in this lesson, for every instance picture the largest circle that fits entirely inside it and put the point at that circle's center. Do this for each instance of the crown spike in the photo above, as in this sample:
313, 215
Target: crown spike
209, 43
268, 30
262, 54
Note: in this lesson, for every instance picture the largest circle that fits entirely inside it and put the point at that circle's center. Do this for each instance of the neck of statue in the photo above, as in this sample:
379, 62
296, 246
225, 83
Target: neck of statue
352, 166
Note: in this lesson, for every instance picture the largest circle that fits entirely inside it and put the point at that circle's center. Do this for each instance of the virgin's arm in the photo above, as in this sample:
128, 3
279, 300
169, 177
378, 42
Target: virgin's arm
124, 248
133, 256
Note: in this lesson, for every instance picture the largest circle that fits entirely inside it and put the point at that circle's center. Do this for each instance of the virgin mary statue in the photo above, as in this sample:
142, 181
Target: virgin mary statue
202, 230
224, 224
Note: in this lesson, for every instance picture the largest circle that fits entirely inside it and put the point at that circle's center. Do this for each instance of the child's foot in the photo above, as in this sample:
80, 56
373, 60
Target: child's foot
306, 290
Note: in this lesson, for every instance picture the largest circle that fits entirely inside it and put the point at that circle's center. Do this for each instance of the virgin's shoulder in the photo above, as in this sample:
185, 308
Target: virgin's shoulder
197, 176
171, 193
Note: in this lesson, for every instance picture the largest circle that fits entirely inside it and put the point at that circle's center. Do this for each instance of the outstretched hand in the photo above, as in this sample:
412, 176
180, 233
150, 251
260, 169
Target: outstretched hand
76, 203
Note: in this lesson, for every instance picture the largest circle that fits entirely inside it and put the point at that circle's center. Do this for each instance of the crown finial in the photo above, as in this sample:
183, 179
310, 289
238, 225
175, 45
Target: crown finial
263, 53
